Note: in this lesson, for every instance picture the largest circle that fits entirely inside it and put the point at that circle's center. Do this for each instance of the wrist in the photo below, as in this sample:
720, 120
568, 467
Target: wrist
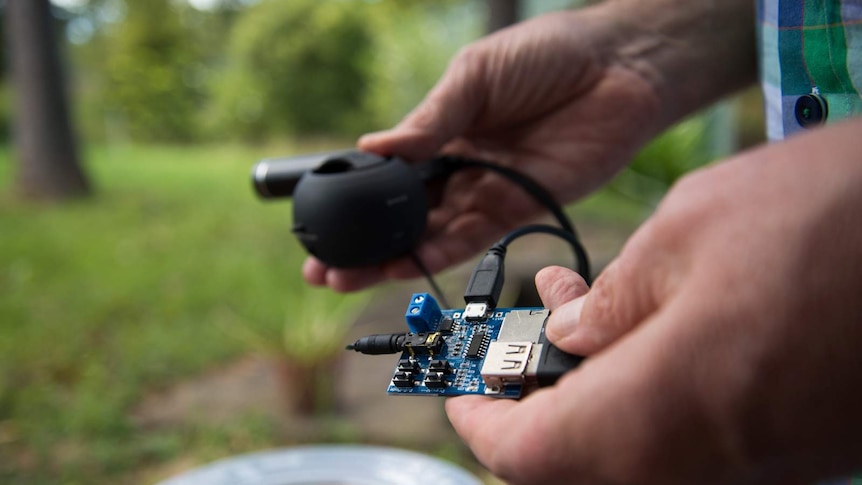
691, 53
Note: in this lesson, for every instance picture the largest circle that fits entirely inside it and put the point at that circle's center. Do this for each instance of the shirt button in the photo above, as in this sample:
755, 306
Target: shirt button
811, 110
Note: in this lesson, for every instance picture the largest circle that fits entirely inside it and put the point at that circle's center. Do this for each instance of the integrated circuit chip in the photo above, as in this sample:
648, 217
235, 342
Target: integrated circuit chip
477, 345
446, 324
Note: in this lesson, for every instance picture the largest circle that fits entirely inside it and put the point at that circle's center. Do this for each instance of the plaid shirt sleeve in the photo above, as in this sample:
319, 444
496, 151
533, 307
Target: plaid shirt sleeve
809, 47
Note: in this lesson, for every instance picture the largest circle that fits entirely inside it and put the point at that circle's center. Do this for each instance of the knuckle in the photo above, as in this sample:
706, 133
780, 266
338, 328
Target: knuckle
426, 116
603, 303
467, 70
467, 56
691, 200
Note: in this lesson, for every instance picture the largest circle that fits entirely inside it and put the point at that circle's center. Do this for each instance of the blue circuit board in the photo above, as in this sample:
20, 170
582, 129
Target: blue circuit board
449, 352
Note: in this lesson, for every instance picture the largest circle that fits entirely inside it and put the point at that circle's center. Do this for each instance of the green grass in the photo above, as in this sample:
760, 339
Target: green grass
133, 288
145, 283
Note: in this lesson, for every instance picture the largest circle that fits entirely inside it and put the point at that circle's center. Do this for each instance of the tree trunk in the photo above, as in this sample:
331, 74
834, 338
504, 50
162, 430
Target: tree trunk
502, 13
47, 156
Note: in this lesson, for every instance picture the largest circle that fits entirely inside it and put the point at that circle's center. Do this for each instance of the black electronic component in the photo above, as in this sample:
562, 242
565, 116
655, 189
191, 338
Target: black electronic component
381, 210
403, 379
446, 325
378, 344
435, 380
440, 365
353, 208
477, 345
408, 365
423, 343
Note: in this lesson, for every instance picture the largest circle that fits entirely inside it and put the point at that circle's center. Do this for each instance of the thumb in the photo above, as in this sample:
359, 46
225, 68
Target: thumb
446, 112
557, 286
618, 301
562, 291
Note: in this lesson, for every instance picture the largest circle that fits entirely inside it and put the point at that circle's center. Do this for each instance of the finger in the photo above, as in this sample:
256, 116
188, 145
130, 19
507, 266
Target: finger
466, 413
625, 294
354, 279
476, 420
317, 273
446, 112
314, 271
590, 323
527, 447
558, 286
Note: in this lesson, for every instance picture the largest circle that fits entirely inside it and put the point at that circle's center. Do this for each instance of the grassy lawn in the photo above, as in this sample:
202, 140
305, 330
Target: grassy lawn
105, 298
133, 288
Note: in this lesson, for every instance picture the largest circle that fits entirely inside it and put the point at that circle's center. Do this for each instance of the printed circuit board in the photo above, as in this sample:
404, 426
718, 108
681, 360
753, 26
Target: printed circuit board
455, 352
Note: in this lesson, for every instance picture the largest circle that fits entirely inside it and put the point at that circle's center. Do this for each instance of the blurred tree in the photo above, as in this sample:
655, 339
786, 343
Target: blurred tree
5, 99
151, 70
46, 148
296, 67
502, 13
413, 43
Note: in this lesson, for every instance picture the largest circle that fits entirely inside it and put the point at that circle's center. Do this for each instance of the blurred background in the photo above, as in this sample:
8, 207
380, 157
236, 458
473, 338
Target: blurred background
152, 312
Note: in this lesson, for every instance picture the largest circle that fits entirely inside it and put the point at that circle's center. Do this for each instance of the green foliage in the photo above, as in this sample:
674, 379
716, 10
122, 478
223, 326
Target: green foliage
150, 69
309, 333
657, 166
413, 44
299, 66
163, 71
674, 153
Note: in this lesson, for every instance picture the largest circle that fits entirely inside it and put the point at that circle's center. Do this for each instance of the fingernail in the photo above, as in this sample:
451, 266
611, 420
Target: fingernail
564, 321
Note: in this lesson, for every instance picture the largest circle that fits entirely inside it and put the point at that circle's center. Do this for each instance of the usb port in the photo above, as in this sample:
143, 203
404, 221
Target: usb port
506, 363
475, 311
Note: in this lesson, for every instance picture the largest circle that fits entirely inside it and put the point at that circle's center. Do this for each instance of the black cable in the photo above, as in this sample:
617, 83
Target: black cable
486, 282
424, 269
540, 194
532, 187
583, 263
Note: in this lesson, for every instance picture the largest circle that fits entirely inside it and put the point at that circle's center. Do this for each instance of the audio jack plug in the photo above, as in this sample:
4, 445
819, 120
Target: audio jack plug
379, 344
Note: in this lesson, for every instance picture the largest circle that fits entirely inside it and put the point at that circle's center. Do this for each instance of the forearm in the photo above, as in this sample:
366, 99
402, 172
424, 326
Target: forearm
691, 52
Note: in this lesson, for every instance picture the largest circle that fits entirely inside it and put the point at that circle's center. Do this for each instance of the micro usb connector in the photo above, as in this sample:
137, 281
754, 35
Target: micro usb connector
475, 311
486, 283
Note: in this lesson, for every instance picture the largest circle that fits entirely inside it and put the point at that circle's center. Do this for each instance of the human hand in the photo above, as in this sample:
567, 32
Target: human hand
546, 97
724, 340
566, 98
